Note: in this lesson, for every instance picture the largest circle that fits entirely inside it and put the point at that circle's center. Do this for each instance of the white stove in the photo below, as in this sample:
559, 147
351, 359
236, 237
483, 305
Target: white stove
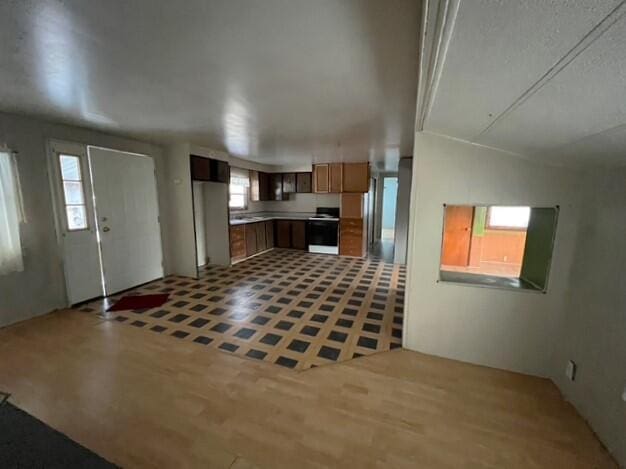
323, 231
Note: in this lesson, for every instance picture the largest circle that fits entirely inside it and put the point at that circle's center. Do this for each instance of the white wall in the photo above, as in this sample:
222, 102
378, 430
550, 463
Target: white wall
593, 332
180, 229
216, 222
199, 222
505, 329
40, 288
405, 168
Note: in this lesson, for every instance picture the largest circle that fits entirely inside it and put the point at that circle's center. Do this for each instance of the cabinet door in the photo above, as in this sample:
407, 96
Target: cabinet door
289, 183
298, 234
335, 178
269, 234
260, 236
255, 194
320, 178
351, 205
220, 171
251, 247
276, 186
200, 168
237, 242
303, 182
283, 233
264, 186
356, 177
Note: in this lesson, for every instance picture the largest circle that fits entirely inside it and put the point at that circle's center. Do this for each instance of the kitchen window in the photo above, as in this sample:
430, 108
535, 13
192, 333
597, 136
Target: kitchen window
238, 189
11, 215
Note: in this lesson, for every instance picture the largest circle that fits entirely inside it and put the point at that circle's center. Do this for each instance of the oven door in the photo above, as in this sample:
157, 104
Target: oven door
323, 232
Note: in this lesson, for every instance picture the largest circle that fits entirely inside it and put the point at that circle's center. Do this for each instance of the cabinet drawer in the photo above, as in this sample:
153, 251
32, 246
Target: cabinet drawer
349, 250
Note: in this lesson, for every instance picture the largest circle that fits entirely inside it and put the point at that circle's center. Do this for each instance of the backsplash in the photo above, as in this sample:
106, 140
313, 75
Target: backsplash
303, 203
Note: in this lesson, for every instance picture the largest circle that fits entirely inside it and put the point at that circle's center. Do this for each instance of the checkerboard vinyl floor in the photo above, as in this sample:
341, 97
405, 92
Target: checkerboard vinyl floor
286, 307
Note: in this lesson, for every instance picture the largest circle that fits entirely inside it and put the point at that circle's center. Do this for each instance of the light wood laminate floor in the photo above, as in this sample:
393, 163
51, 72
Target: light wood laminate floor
145, 400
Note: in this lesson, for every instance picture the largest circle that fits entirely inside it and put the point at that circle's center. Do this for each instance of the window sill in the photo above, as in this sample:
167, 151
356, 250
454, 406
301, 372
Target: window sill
487, 281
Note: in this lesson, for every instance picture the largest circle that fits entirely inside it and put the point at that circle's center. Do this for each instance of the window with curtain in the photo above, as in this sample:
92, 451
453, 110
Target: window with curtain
238, 189
11, 215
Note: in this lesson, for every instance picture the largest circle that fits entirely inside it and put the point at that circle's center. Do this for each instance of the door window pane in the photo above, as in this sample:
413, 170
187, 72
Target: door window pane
76, 217
73, 193
70, 168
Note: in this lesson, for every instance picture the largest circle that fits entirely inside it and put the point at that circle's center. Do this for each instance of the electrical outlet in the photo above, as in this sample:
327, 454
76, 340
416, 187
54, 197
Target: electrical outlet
570, 370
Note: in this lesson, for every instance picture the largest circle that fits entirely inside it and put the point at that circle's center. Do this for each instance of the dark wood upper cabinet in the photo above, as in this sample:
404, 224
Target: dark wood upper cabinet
289, 183
276, 186
303, 182
264, 186
208, 169
220, 171
200, 168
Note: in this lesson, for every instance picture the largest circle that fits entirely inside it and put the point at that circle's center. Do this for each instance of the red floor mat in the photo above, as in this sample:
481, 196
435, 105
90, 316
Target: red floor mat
139, 302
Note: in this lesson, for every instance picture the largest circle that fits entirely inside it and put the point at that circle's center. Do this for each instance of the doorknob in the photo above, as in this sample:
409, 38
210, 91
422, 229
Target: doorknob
106, 229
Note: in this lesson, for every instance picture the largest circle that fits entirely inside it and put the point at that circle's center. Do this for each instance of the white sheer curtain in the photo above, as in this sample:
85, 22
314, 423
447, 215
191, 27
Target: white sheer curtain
11, 214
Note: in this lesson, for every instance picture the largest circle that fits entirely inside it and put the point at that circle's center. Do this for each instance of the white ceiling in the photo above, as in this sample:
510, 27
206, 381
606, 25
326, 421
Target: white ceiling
545, 79
275, 81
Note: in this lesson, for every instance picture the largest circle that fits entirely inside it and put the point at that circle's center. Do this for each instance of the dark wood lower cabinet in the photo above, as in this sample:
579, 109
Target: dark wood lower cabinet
291, 234
260, 237
298, 234
251, 247
237, 242
252, 238
269, 234
283, 233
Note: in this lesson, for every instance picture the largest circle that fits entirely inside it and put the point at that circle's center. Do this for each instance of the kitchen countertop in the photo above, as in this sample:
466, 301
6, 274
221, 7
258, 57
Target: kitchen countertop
269, 216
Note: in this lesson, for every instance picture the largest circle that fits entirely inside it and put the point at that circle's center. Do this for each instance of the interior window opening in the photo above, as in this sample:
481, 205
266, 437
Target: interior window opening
497, 245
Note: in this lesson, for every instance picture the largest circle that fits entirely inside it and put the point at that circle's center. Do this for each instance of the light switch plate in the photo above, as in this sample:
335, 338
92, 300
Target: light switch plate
570, 370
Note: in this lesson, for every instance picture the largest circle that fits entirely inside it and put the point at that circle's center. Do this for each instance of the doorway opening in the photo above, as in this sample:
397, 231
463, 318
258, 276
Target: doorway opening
390, 196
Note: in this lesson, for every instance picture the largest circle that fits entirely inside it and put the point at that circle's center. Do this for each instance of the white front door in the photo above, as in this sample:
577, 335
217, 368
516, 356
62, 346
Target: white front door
69, 170
127, 217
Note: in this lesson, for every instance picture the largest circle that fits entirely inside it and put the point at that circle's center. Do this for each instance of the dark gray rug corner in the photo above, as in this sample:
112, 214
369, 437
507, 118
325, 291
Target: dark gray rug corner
26, 442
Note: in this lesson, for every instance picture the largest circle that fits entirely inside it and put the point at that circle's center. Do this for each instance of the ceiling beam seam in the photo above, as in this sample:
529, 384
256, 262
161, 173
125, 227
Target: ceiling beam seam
588, 39
436, 37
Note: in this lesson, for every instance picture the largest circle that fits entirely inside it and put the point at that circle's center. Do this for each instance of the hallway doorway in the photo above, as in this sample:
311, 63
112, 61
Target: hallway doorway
390, 196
